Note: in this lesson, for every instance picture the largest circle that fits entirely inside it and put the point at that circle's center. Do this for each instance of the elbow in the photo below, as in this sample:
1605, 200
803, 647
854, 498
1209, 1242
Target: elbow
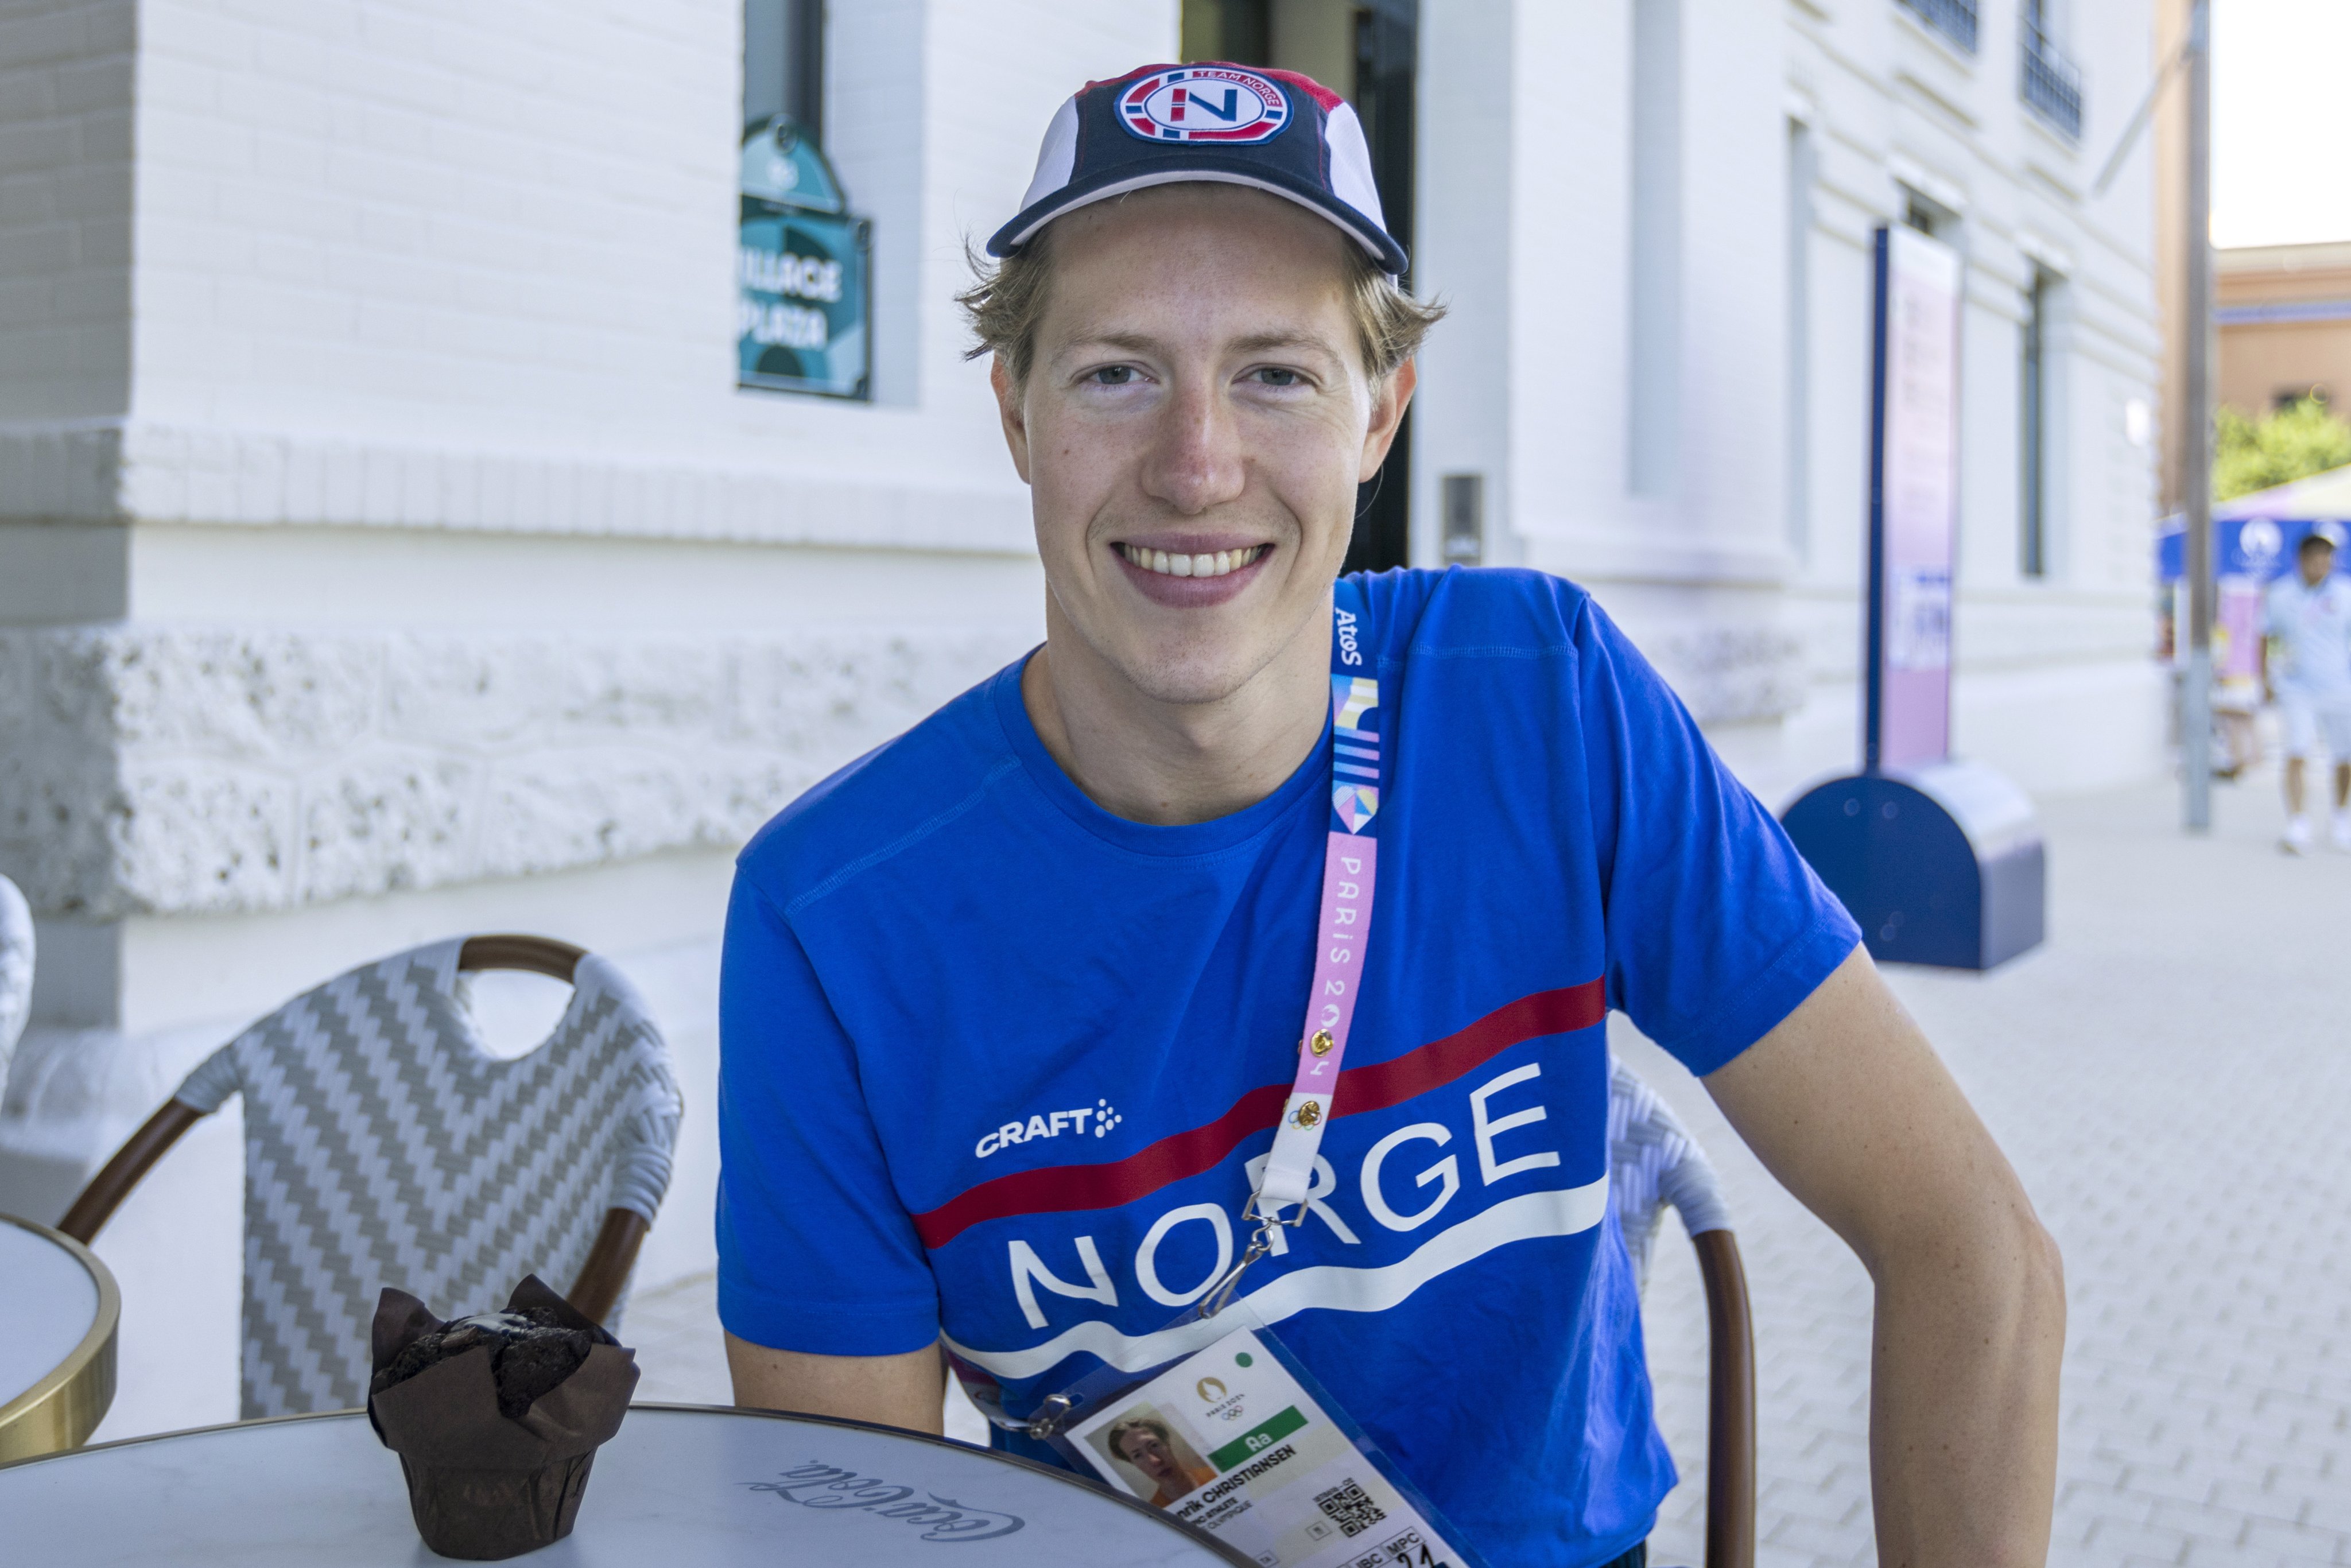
2042, 1271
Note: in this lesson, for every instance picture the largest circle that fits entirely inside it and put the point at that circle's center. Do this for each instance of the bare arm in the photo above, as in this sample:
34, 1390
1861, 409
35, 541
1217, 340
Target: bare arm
1849, 1107
893, 1390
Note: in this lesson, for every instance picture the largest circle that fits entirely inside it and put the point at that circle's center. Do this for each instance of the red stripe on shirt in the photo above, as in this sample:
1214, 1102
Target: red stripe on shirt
1062, 1189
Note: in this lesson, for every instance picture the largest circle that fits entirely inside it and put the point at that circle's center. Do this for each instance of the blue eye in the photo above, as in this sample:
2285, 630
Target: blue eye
1112, 375
1275, 376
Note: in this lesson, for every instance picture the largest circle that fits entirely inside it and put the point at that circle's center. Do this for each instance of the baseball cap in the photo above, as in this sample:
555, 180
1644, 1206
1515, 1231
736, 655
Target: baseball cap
1215, 122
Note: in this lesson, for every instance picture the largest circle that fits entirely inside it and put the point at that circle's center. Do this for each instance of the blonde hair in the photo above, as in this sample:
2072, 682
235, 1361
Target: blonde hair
1007, 301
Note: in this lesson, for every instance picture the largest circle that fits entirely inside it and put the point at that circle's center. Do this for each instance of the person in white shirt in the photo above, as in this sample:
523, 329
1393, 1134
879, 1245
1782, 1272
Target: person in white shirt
2307, 620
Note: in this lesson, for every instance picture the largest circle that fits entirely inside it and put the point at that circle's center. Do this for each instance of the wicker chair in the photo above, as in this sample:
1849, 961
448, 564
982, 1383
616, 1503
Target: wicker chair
384, 1146
16, 971
1653, 1161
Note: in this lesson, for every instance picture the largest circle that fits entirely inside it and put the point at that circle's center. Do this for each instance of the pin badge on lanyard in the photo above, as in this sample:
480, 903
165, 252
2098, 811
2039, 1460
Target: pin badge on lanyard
1343, 942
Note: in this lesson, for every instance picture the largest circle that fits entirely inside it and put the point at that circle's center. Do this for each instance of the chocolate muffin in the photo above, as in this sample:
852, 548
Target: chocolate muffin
531, 1351
496, 1447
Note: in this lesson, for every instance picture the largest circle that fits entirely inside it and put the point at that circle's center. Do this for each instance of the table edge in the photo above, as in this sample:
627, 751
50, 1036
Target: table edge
66, 1403
1198, 1536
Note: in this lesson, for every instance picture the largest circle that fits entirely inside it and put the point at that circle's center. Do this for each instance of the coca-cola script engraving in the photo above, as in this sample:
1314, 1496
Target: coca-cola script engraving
815, 1485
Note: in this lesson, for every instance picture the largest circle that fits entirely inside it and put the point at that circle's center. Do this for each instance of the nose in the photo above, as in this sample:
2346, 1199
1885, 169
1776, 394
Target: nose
1196, 463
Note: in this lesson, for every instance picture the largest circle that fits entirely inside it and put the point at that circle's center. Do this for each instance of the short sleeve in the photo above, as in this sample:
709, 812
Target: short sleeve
1716, 928
816, 1253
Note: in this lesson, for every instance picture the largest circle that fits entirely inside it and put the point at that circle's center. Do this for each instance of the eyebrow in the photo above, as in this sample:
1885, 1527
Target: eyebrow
1255, 343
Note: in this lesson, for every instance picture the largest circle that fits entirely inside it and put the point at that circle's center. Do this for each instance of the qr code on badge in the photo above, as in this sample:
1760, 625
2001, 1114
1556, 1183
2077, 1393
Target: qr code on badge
1347, 1506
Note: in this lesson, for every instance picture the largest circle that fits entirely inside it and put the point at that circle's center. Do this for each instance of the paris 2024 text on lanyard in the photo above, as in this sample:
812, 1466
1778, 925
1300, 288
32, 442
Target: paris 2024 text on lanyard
1237, 1438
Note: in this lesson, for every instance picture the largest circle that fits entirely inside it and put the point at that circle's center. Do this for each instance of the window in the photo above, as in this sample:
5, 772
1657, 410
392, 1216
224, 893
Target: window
804, 261
1929, 216
2034, 435
1952, 20
2051, 84
783, 63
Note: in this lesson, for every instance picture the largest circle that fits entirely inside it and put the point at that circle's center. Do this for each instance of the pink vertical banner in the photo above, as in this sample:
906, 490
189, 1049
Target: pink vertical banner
1914, 500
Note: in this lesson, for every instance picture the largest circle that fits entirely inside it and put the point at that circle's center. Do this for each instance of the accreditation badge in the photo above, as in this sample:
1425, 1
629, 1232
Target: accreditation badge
1240, 1442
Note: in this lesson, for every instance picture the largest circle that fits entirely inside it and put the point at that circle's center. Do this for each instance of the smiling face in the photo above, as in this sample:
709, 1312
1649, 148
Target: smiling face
1193, 427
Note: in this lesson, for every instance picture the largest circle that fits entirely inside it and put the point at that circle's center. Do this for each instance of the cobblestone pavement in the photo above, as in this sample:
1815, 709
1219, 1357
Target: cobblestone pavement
2169, 1073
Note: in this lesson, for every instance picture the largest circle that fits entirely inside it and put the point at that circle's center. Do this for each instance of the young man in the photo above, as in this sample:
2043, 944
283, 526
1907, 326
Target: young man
1011, 1005
2307, 616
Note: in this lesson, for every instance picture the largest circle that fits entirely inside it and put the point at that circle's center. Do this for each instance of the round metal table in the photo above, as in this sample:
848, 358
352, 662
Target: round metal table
681, 1486
58, 1312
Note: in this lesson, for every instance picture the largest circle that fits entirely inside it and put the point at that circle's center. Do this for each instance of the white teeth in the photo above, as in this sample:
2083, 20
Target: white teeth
1216, 565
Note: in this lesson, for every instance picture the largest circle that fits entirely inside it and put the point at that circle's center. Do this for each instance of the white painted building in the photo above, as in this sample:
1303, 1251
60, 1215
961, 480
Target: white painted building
387, 550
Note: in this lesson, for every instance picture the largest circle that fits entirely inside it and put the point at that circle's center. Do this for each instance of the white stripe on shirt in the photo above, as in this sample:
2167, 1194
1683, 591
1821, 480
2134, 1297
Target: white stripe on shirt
1562, 1212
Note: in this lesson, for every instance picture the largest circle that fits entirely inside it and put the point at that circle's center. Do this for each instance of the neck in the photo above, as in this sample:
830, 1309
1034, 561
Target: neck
1170, 764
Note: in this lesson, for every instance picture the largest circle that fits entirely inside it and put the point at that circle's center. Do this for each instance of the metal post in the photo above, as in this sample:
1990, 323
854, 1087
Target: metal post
2196, 432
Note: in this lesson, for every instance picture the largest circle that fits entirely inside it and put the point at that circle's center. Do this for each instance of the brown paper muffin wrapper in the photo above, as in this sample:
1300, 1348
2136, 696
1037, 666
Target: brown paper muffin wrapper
482, 1486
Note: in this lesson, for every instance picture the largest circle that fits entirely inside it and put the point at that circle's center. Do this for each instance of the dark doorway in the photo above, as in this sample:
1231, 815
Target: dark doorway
1369, 52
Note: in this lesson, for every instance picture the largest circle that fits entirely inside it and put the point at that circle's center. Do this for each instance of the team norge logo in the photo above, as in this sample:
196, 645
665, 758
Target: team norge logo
1202, 103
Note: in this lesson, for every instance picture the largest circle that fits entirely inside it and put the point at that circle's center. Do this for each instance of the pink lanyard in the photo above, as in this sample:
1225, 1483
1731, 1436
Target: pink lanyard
1343, 942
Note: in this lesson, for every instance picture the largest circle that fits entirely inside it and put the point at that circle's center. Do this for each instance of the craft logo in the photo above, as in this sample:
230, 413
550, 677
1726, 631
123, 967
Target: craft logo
1097, 1118
1213, 103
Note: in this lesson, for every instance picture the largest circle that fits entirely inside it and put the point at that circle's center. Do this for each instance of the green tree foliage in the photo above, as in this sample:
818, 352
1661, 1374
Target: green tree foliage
2293, 443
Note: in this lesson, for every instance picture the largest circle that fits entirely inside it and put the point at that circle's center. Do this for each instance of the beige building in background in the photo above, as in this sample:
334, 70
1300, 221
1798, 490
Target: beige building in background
2283, 316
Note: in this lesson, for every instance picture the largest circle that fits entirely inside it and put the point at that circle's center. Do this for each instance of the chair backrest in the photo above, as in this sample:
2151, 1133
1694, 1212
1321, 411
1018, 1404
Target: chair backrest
16, 971
1653, 1161
384, 1146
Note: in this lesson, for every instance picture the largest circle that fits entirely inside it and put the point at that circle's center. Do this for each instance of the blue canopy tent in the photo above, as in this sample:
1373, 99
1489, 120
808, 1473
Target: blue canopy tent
2254, 536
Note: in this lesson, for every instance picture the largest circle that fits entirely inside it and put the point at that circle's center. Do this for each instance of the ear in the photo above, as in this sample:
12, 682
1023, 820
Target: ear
1390, 397
1009, 409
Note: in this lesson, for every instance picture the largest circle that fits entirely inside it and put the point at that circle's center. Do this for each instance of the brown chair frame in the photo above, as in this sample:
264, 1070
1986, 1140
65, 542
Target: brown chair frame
1730, 1403
610, 1259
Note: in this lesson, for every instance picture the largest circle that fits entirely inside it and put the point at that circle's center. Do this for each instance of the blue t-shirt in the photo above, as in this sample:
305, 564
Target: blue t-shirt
996, 1062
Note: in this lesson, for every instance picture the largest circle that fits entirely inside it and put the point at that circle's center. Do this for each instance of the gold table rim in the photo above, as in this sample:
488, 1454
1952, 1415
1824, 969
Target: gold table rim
91, 1361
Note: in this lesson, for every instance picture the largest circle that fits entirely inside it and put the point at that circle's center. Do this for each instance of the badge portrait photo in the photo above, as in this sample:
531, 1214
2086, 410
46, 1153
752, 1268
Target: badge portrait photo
1152, 1456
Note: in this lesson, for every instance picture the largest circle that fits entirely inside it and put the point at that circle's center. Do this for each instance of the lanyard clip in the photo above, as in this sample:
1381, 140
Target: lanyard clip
1220, 1294
1051, 1411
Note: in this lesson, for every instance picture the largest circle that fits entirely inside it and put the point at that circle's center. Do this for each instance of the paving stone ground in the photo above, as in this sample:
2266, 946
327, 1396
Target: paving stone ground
2171, 1073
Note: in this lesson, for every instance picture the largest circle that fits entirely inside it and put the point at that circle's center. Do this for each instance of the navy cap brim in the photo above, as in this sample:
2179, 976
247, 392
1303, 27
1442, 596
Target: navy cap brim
1208, 168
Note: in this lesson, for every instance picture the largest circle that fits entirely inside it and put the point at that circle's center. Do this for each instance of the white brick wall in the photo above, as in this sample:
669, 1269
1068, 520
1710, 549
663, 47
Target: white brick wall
65, 207
458, 236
